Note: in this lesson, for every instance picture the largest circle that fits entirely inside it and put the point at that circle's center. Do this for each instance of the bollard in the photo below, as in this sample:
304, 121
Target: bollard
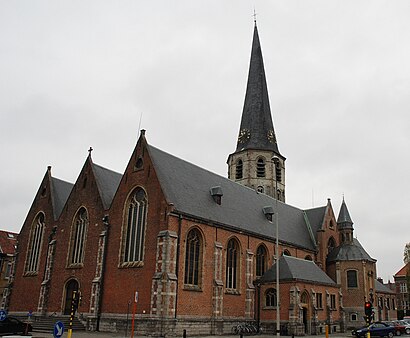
184, 334
327, 331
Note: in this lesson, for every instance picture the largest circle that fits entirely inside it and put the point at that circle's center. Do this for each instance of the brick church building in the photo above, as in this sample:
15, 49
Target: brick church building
198, 248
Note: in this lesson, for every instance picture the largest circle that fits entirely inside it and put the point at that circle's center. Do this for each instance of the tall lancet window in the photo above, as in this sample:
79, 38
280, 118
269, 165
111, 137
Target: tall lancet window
261, 261
232, 264
135, 223
78, 236
193, 258
35, 241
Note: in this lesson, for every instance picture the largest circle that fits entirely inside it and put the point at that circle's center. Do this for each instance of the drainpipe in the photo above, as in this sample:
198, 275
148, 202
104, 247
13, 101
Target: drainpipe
177, 261
106, 223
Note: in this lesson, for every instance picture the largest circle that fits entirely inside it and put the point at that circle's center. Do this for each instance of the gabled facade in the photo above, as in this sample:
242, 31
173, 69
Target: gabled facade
402, 282
197, 248
8, 245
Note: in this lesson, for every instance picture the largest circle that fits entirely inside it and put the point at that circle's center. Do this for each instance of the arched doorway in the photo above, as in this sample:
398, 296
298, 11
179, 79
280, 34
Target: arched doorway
70, 287
305, 312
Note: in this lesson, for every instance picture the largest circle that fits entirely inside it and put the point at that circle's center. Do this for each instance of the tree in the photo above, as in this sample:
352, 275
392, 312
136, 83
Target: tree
406, 259
406, 255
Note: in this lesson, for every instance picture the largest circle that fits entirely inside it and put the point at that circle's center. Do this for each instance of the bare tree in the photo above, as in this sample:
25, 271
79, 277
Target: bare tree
406, 254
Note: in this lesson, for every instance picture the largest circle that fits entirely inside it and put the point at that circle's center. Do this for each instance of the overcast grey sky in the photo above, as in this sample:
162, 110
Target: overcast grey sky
75, 74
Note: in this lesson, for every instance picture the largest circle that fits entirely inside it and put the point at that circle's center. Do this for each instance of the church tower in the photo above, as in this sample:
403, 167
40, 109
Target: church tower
256, 162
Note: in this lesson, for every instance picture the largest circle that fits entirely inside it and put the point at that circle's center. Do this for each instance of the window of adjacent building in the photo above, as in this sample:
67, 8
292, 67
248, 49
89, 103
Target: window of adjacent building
261, 261
351, 278
239, 170
270, 297
260, 168
353, 317
8, 271
393, 304
232, 264
403, 288
380, 302
319, 301
135, 223
333, 301
286, 253
78, 236
388, 303
260, 189
193, 258
308, 258
36, 239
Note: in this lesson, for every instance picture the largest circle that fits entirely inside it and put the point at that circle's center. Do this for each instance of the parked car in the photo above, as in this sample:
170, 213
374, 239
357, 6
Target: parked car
376, 329
399, 327
11, 325
406, 325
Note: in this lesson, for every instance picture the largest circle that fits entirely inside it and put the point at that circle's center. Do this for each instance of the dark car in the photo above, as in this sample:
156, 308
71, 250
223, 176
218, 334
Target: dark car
11, 325
376, 329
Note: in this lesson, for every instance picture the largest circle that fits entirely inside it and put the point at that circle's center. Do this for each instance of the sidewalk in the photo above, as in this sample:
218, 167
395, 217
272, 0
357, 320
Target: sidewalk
85, 334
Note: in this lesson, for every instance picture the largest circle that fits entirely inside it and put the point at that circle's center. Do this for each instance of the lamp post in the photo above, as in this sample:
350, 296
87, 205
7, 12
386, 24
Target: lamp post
275, 160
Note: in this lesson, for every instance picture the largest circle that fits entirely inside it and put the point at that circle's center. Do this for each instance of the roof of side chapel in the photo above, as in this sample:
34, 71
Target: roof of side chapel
297, 269
188, 186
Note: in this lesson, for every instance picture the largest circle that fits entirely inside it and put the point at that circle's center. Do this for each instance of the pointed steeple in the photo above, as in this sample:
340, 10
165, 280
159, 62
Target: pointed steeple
256, 131
344, 221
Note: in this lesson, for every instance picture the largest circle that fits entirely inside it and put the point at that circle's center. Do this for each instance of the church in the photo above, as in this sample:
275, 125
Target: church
189, 249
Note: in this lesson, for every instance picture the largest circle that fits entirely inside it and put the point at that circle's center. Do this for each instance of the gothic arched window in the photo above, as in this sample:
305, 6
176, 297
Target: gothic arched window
78, 236
331, 244
260, 168
261, 260
34, 248
232, 264
193, 258
270, 297
134, 226
286, 253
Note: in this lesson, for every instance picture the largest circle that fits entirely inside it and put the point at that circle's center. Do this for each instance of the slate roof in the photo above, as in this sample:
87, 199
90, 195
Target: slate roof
107, 182
316, 217
188, 186
381, 288
60, 192
344, 220
296, 269
349, 252
8, 240
256, 114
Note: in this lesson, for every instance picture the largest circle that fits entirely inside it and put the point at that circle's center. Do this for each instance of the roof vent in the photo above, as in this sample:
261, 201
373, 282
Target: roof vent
268, 212
216, 193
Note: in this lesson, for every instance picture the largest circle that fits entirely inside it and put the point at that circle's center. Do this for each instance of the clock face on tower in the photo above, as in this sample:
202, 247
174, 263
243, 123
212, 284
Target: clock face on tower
271, 136
244, 135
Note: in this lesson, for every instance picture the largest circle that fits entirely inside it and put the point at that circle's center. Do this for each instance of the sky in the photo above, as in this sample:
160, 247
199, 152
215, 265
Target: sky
75, 74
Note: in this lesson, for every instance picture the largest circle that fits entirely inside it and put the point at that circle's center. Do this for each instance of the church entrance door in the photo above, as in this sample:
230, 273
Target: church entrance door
71, 286
305, 305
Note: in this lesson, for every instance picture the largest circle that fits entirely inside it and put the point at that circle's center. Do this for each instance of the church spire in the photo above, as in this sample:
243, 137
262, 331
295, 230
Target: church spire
256, 131
256, 162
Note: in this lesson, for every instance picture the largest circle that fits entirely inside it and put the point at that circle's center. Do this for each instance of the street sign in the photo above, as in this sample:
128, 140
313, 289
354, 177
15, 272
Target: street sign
3, 315
58, 329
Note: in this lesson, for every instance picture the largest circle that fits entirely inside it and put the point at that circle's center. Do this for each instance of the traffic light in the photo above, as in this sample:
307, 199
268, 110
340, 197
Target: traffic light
368, 311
